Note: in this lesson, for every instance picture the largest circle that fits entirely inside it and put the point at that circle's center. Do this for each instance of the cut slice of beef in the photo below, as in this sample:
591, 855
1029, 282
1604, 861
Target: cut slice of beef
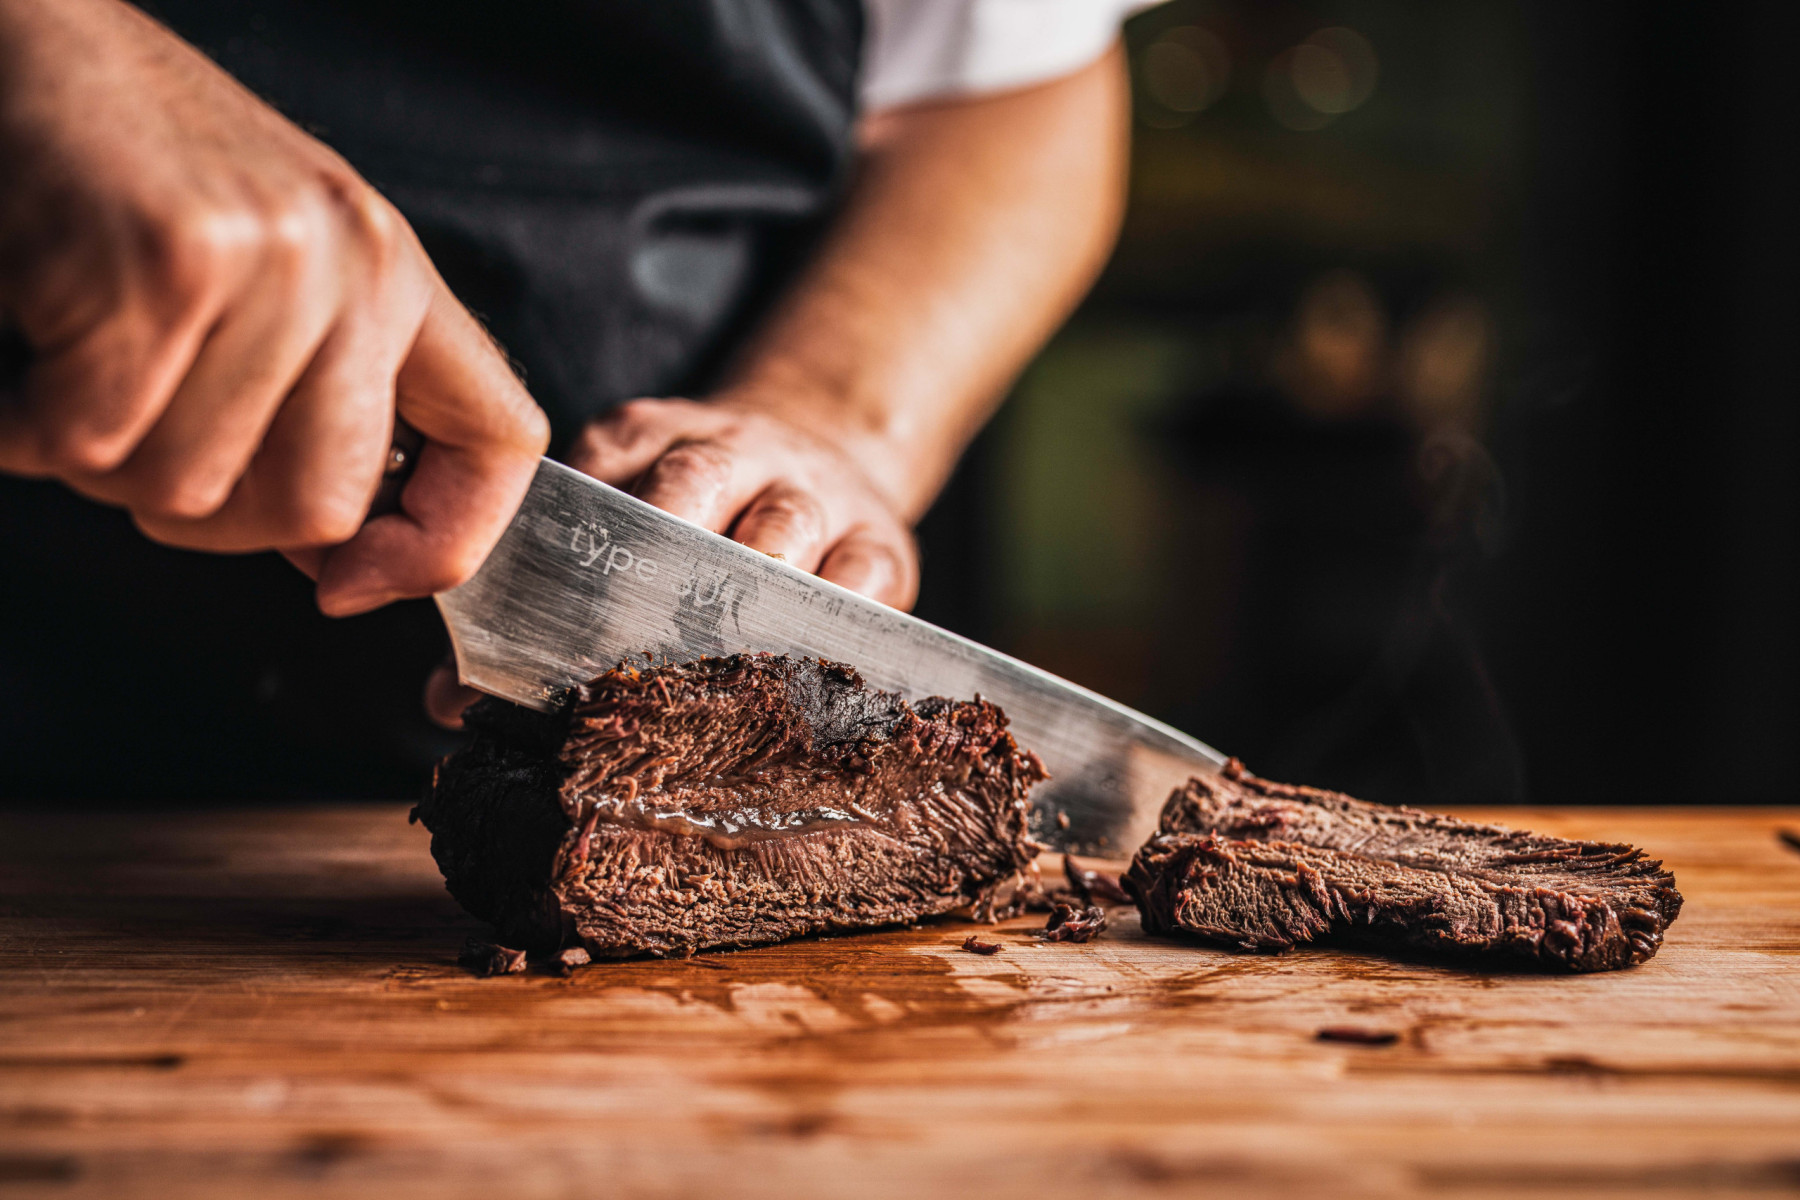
1255, 865
727, 802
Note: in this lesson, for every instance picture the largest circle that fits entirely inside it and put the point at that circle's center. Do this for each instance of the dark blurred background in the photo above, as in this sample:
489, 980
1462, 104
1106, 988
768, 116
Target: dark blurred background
1430, 436
1432, 433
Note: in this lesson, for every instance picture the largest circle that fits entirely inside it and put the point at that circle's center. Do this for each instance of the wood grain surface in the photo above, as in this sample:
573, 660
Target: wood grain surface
265, 1003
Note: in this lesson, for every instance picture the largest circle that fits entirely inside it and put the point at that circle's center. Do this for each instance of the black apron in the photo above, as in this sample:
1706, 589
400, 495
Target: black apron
614, 188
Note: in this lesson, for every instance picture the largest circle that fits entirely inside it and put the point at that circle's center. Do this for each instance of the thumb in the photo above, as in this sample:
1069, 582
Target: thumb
445, 697
483, 436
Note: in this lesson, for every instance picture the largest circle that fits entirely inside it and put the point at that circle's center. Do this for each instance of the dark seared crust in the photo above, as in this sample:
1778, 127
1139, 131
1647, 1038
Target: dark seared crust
728, 802
1244, 862
497, 824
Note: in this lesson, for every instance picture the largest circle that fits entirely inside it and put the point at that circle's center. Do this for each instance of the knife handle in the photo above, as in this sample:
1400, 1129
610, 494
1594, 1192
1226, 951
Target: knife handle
403, 455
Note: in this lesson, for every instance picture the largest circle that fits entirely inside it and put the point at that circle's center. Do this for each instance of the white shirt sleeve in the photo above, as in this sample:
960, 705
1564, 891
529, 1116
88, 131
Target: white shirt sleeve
927, 49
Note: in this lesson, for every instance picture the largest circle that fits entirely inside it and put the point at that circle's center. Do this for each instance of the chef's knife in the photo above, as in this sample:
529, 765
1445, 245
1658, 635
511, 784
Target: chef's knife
587, 576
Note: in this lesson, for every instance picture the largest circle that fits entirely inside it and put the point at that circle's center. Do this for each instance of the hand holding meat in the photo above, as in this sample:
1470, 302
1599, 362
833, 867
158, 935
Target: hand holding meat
773, 482
225, 318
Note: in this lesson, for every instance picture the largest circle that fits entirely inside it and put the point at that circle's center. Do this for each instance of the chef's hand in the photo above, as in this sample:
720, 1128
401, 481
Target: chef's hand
740, 467
224, 318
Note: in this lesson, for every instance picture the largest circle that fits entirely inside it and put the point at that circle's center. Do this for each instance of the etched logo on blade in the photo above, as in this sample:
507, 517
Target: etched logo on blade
702, 594
705, 600
597, 549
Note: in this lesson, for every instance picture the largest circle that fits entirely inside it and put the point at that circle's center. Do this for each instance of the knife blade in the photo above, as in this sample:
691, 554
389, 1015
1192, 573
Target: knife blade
587, 577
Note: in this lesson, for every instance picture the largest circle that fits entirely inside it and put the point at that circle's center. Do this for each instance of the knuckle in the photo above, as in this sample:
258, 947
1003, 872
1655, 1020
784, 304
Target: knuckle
185, 498
192, 250
451, 567
519, 429
635, 412
325, 520
794, 511
293, 236
375, 223
878, 555
894, 556
693, 464
890, 567
289, 230
589, 449
592, 439
82, 450
612, 453
906, 562
534, 429
626, 425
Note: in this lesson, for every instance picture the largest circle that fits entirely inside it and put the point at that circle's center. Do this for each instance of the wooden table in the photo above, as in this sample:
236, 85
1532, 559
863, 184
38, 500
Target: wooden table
265, 1003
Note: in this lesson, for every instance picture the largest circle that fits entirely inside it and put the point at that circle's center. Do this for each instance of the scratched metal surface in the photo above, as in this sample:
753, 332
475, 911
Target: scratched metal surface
588, 576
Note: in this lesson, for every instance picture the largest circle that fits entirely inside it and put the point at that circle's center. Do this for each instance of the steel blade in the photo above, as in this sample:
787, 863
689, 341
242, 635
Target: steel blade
588, 576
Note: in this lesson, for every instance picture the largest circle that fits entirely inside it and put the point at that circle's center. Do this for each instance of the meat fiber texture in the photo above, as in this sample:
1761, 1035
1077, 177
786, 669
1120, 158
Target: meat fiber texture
727, 802
1242, 862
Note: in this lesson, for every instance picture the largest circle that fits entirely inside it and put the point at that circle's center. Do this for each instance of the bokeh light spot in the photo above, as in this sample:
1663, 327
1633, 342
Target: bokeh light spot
1320, 78
1331, 73
1183, 72
1285, 103
1335, 70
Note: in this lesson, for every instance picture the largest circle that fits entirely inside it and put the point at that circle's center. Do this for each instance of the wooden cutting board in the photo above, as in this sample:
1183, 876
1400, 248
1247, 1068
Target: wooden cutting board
265, 1003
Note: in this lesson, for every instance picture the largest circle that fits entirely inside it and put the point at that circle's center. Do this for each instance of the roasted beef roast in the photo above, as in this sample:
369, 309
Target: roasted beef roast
1242, 862
727, 802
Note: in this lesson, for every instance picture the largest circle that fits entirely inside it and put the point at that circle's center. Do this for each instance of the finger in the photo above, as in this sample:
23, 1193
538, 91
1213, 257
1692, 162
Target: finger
619, 446
785, 522
446, 697
484, 437
105, 370
701, 481
313, 478
881, 568
187, 465
86, 405
307, 560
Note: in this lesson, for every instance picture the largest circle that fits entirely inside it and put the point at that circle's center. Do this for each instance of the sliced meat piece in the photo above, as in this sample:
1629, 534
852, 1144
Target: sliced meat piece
1244, 862
1069, 923
728, 802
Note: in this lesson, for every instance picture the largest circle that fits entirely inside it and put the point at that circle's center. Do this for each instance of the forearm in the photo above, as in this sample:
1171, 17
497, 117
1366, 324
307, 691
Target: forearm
971, 231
